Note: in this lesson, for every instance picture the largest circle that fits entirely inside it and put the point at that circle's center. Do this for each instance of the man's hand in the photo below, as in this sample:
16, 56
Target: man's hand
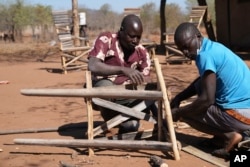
175, 114
175, 103
135, 75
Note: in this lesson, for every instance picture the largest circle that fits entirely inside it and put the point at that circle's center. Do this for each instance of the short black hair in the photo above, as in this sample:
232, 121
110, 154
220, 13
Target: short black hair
128, 20
185, 30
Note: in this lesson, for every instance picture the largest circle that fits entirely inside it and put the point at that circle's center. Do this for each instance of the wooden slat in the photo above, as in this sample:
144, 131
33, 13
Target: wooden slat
73, 58
126, 114
110, 124
93, 92
197, 14
134, 112
174, 50
83, 48
135, 11
205, 156
76, 66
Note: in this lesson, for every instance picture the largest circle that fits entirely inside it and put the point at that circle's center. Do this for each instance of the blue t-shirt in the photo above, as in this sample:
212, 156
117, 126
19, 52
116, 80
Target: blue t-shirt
232, 74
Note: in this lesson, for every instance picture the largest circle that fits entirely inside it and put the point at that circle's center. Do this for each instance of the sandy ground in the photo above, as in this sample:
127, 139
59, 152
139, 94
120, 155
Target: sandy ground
19, 112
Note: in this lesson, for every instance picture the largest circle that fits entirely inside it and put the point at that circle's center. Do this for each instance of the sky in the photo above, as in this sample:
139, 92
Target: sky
116, 5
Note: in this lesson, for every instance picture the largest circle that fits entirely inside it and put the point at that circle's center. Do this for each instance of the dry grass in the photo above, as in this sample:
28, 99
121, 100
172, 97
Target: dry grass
23, 52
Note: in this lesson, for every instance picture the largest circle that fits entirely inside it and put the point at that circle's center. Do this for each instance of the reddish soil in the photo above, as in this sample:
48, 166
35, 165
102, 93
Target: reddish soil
38, 66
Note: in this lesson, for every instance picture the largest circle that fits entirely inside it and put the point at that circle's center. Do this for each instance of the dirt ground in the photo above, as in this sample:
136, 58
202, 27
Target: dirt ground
38, 66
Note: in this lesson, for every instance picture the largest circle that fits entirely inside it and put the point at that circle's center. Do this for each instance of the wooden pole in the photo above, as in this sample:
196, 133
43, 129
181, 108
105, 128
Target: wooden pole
75, 18
92, 92
90, 112
31, 130
167, 110
109, 144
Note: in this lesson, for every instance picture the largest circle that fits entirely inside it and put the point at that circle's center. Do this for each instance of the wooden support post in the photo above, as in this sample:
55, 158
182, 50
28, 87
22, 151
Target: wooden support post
63, 60
90, 111
168, 114
159, 120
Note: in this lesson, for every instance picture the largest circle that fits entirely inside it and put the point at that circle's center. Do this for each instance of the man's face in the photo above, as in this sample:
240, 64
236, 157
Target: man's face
189, 46
130, 36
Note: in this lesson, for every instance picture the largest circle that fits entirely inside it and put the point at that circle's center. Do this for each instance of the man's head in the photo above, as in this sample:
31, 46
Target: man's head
188, 39
130, 32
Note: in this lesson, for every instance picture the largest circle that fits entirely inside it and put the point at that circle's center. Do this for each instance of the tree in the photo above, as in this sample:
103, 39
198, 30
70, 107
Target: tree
148, 13
20, 18
107, 17
174, 16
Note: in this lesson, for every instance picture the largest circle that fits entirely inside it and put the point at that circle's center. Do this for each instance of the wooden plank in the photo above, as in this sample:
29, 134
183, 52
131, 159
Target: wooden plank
110, 124
127, 113
71, 49
101, 93
74, 67
123, 109
109, 144
205, 156
135, 11
78, 58
245, 144
174, 50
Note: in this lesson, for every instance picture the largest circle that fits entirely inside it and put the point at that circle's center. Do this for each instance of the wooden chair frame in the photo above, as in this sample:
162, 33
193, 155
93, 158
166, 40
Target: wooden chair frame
72, 57
126, 112
92, 93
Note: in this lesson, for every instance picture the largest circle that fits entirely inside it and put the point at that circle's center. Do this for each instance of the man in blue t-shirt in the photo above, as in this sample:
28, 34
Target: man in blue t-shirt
222, 107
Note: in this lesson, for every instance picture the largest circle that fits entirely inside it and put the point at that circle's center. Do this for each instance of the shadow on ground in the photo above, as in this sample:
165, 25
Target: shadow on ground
76, 130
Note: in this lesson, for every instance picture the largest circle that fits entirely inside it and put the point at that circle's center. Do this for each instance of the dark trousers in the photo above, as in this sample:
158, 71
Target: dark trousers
133, 123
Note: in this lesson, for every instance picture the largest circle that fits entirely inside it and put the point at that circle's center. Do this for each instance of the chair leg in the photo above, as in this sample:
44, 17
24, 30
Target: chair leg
160, 116
167, 110
63, 61
89, 111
